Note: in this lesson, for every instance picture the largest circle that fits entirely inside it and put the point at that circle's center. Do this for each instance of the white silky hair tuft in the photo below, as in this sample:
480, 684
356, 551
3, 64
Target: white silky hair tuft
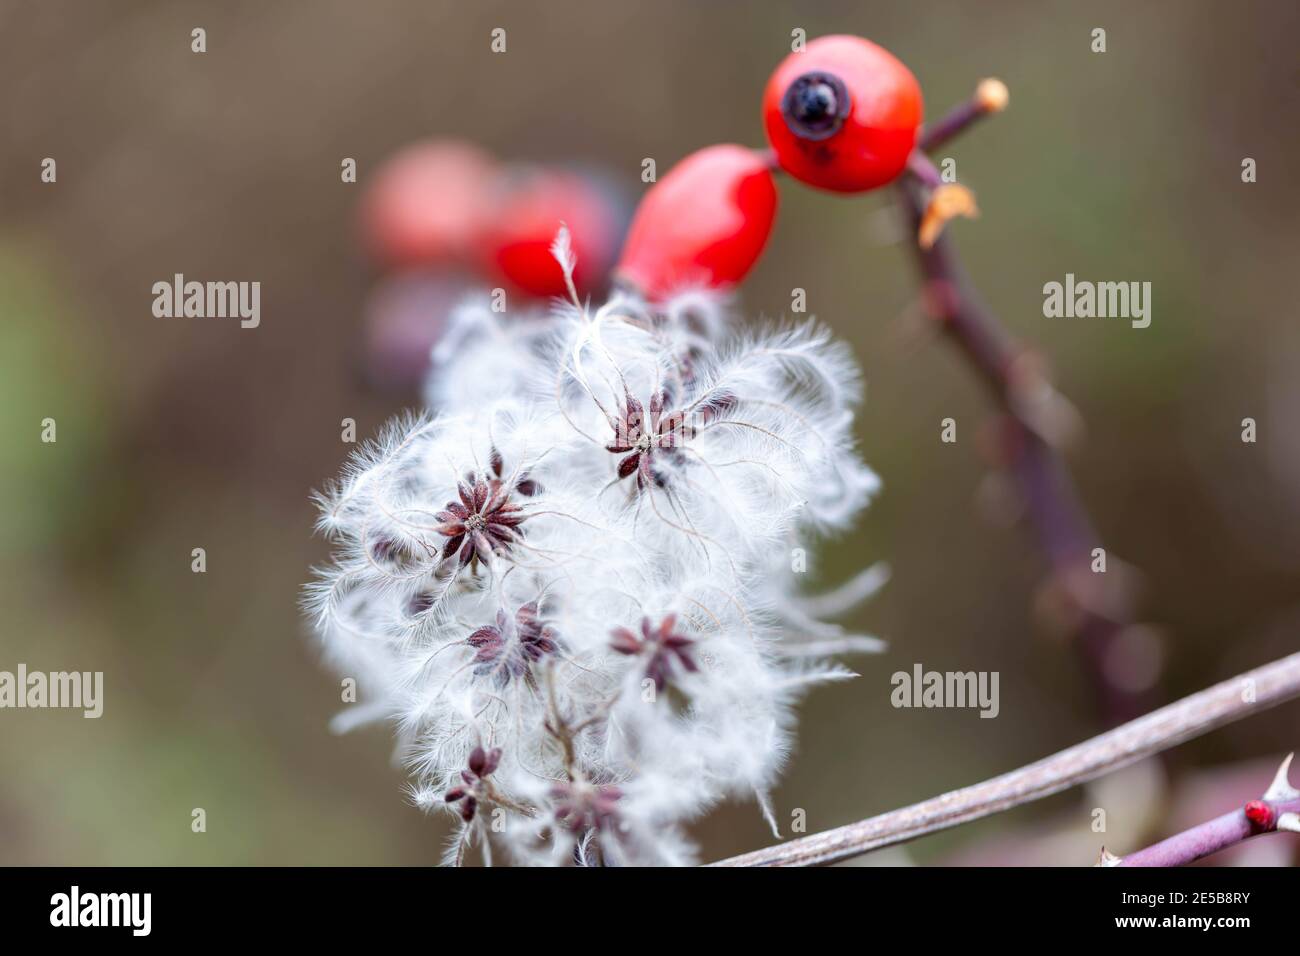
573, 586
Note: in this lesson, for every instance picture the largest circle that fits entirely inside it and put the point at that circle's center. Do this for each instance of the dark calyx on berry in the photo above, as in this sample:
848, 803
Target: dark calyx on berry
815, 105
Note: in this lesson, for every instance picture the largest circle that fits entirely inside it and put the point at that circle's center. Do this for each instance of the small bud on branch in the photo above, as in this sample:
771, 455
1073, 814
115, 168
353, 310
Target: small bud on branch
991, 96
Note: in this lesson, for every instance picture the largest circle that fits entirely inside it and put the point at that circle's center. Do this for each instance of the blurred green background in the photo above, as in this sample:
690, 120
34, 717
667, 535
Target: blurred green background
191, 433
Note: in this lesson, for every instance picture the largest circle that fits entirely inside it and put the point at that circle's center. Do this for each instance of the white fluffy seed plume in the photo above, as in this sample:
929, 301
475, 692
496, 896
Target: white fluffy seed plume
571, 585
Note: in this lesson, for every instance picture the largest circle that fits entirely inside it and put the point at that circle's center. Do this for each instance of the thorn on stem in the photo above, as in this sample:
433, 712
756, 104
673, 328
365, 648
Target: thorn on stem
1106, 858
948, 201
1281, 789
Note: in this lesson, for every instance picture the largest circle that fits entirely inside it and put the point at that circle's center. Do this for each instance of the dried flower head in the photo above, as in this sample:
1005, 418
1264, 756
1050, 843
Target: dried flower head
509, 648
483, 521
659, 646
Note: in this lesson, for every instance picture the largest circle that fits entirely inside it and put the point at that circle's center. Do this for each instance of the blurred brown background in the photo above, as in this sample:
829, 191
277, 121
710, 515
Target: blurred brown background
176, 434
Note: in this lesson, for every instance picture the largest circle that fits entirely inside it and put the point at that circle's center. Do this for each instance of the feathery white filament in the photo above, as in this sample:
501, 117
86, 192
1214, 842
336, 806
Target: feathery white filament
582, 558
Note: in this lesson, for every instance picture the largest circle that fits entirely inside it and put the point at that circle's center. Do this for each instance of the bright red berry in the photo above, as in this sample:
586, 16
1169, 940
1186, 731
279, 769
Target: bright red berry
703, 224
427, 204
527, 211
843, 114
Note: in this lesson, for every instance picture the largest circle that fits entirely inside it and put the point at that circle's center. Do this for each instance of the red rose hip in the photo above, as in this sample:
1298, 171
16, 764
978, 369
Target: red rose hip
842, 115
427, 203
703, 225
529, 207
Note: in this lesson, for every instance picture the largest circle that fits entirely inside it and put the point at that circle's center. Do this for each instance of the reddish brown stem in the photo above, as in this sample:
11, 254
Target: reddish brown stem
956, 122
1063, 527
990, 97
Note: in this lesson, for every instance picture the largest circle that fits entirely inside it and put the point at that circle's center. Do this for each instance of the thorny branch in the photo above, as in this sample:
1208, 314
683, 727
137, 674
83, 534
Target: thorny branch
1037, 421
1278, 809
1183, 720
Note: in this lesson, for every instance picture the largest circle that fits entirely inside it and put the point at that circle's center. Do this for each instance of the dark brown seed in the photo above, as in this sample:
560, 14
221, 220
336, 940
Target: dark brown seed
477, 760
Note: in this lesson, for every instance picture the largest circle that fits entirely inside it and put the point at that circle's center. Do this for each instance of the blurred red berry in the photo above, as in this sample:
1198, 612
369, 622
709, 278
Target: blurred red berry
428, 204
842, 115
703, 225
526, 213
